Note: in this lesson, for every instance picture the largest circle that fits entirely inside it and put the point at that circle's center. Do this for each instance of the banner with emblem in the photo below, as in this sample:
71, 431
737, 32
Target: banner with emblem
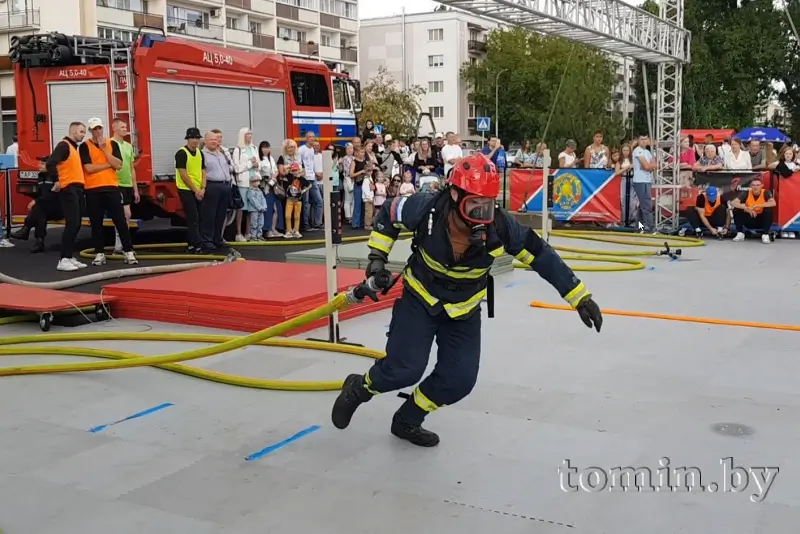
579, 195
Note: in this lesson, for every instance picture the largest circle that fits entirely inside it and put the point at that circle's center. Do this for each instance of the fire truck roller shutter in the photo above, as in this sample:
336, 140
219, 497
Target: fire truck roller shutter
75, 101
172, 111
269, 118
226, 108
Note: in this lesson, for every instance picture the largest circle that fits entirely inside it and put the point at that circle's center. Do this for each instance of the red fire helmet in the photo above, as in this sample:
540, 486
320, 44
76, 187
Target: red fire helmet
476, 175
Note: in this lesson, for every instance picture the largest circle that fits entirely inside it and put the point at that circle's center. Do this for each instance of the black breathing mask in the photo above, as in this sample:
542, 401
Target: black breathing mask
478, 228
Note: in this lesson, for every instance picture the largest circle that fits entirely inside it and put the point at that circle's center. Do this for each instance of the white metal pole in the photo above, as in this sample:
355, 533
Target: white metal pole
545, 194
330, 251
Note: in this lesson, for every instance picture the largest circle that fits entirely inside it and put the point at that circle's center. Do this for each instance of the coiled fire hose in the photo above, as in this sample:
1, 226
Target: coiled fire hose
9, 346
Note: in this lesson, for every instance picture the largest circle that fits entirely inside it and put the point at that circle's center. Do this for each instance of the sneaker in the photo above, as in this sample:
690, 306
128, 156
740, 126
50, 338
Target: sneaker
288, 235
765, 239
99, 259
739, 237
66, 265
5, 243
298, 235
130, 258
241, 239
276, 233
76, 263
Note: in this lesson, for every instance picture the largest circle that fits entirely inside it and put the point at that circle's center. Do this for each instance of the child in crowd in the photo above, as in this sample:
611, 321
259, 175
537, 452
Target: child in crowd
368, 196
296, 185
393, 188
257, 203
407, 188
380, 192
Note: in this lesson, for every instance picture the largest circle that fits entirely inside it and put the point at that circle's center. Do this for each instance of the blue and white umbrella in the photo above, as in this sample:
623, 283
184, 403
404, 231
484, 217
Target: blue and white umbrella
767, 135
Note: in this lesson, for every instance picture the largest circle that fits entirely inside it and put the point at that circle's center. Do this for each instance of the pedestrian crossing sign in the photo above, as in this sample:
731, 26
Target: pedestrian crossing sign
484, 124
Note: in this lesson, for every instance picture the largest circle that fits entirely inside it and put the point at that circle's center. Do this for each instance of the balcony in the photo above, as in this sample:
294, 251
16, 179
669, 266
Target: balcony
195, 28
247, 38
297, 14
473, 45
148, 19
267, 42
349, 54
16, 20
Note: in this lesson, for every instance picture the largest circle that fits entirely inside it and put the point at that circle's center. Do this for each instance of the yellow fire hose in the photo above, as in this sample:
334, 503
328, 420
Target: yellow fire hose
124, 360
621, 259
171, 362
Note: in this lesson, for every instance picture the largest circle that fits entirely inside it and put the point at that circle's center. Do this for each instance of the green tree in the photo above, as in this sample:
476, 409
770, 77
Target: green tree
530, 68
641, 97
789, 94
737, 51
386, 104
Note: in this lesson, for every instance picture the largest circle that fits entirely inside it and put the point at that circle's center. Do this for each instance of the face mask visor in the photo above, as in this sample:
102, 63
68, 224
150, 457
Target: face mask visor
477, 210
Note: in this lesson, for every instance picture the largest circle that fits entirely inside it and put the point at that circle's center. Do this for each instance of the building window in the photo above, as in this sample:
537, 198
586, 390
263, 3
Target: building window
325, 40
291, 34
436, 35
231, 23
436, 61
437, 112
176, 16
340, 8
475, 35
305, 4
435, 87
471, 111
310, 90
126, 36
139, 6
255, 27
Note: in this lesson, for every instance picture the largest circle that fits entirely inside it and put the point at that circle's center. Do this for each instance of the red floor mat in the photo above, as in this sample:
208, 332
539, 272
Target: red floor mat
31, 299
243, 296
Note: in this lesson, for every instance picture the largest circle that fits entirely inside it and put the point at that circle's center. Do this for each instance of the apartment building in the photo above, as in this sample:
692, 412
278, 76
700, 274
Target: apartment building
323, 29
428, 50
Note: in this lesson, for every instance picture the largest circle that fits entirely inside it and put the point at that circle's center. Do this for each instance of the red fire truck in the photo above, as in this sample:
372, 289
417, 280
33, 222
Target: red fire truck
162, 86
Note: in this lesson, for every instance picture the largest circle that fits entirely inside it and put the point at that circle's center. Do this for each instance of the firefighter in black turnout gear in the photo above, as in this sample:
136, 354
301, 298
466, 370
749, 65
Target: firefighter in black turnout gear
458, 233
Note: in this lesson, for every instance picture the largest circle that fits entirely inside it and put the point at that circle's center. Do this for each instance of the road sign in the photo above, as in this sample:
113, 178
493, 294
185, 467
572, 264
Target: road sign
484, 124
377, 129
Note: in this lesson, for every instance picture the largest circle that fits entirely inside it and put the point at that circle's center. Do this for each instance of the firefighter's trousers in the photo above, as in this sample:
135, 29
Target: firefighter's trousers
412, 332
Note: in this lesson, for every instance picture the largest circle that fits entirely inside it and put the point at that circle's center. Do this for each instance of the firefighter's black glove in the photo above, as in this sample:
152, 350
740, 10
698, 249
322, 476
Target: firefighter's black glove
590, 314
375, 266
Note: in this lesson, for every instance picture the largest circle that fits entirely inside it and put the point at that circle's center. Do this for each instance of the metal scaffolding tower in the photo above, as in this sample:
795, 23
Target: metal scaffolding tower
625, 30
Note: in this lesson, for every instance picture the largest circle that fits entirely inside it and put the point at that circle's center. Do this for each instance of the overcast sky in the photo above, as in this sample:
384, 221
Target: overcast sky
385, 8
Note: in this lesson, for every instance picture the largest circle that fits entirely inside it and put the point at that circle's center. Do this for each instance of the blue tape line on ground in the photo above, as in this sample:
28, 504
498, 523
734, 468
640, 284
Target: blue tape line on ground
134, 416
515, 284
287, 441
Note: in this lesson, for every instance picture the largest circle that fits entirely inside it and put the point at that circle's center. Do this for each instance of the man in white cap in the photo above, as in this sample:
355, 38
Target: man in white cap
101, 159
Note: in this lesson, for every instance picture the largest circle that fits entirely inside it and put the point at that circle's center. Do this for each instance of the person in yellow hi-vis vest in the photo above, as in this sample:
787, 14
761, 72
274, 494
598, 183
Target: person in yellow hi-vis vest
190, 178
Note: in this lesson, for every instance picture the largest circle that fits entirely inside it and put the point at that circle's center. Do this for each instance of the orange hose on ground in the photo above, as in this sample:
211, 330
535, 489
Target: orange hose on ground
681, 318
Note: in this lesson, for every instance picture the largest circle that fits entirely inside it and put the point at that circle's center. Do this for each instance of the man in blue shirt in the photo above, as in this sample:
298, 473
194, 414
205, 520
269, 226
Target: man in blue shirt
495, 152
643, 166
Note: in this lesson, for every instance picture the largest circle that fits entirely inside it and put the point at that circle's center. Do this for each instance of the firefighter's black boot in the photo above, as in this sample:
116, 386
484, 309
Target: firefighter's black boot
353, 395
38, 246
407, 425
22, 234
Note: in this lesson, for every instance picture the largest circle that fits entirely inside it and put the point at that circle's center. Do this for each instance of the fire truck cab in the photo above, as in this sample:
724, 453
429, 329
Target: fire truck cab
161, 86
